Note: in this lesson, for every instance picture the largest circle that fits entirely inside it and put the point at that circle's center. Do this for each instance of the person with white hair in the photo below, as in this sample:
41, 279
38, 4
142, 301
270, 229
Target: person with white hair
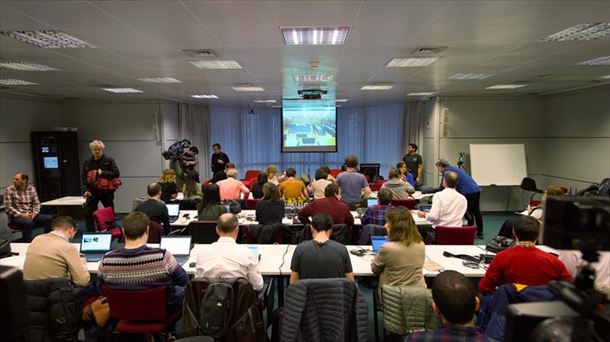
232, 188
100, 181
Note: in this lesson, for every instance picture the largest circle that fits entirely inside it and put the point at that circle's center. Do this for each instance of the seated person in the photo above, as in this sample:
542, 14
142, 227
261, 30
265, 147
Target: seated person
154, 208
401, 260
455, 300
320, 257
318, 186
574, 264
53, 256
329, 177
232, 188
272, 176
211, 208
167, 181
192, 187
524, 263
399, 188
448, 206
353, 184
137, 266
270, 209
22, 207
257, 188
292, 189
375, 214
226, 259
331, 205
222, 175
404, 174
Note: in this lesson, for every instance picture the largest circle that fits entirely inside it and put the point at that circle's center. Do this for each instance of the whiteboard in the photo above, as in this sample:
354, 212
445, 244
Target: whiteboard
498, 164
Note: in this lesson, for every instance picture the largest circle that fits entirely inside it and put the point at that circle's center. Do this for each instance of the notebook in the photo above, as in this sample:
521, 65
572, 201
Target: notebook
94, 245
179, 246
377, 242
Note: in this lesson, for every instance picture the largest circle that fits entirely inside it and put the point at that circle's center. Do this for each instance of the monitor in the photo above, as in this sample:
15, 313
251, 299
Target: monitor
377, 242
50, 162
96, 242
177, 245
173, 209
371, 170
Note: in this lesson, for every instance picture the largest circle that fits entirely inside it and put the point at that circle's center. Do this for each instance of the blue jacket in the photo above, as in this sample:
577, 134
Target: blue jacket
465, 184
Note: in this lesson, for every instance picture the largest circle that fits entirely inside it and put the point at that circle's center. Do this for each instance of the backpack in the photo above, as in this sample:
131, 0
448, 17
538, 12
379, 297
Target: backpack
216, 310
175, 150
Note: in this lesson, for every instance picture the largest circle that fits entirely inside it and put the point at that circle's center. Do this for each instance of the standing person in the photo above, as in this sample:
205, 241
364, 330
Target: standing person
219, 159
99, 171
414, 162
353, 185
185, 164
469, 188
22, 206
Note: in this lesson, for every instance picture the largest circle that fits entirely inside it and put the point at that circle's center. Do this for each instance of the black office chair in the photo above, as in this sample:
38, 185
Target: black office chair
202, 231
529, 184
14, 322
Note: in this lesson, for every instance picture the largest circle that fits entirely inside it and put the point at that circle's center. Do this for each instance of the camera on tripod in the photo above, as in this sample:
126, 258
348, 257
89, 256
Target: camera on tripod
570, 223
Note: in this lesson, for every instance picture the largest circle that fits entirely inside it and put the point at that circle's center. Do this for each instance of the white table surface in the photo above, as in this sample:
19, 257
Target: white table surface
65, 201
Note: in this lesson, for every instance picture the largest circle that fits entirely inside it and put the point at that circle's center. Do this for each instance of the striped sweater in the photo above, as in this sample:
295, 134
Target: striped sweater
141, 268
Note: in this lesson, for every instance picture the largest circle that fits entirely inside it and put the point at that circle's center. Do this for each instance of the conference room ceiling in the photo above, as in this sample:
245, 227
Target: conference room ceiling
138, 39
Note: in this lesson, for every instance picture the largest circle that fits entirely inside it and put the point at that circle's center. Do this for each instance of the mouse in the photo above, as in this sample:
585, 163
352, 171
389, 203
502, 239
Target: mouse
192, 264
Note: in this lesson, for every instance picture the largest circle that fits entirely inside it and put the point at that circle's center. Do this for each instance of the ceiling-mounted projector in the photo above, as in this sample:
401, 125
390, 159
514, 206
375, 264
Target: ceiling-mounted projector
312, 94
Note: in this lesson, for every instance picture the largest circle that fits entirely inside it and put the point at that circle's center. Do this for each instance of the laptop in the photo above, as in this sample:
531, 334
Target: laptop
377, 242
371, 202
173, 209
179, 246
94, 245
254, 251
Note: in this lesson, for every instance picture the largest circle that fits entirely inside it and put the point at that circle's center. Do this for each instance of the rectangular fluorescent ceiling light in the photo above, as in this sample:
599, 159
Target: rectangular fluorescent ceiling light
264, 101
597, 61
469, 76
506, 86
248, 88
404, 62
48, 39
340, 100
314, 78
421, 94
24, 66
606, 77
216, 64
159, 80
122, 90
377, 87
581, 32
205, 96
14, 82
315, 35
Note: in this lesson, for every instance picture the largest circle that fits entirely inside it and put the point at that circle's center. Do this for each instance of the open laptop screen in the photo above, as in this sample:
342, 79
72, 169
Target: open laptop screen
96, 242
173, 209
179, 245
371, 201
378, 241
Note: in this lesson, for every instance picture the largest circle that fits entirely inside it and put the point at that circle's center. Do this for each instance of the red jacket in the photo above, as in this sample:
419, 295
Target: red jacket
523, 265
338, 210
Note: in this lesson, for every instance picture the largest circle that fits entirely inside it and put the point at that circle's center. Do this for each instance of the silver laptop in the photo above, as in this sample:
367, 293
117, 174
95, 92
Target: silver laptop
179, 246
94, 245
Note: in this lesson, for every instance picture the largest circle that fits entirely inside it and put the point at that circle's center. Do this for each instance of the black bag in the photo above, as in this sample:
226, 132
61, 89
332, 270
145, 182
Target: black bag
175, 150
5, 249
235, 206
499, 243
216, 310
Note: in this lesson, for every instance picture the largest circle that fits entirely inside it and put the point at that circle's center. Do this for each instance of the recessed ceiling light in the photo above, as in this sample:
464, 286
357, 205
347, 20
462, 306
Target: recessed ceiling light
314, 78
205, 96
248, 88
24, 66
424, 93
264, 101
597, 61
506, 86
48, 39
377, 87
216, 64
606, 77
403, 62
340, 100
581, 32
159, 80
470, 76
14, 82
123, 90
315, 35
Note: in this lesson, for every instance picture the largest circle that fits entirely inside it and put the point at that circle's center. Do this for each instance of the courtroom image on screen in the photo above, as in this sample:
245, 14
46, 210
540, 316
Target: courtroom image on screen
309, 128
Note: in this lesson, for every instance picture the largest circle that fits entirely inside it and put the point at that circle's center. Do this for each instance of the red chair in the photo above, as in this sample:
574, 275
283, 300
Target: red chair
252, 174
106, 222
140, 311
377, 185
335, 172
251, 203
455, 235
252, 183
409, 203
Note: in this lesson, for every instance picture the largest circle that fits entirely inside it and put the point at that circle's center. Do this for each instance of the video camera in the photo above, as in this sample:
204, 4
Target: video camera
570, 223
